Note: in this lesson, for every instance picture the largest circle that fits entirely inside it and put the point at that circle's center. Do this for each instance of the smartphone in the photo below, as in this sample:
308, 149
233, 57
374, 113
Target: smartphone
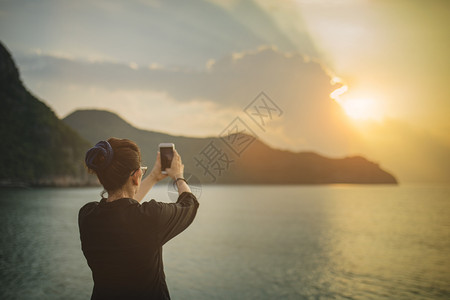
166, 151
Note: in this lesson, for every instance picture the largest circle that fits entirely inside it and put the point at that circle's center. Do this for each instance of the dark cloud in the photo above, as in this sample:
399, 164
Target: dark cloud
300, 86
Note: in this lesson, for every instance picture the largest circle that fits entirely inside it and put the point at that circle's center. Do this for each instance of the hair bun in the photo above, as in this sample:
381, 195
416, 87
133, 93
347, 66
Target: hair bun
94, 159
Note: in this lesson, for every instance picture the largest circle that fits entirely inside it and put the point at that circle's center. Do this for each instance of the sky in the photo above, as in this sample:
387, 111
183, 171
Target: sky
350, 77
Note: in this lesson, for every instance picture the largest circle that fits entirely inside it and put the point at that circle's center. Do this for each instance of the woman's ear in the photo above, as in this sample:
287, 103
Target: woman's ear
135, 178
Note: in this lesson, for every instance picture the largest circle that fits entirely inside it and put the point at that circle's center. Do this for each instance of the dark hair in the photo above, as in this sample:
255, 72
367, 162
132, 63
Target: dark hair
113, 162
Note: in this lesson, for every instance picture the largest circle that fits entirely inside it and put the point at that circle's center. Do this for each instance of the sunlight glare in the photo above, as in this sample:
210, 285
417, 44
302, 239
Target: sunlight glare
360, 109
357, 108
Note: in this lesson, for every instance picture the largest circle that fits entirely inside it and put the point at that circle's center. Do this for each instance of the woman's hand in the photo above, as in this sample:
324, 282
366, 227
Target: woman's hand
176, 169
156, 171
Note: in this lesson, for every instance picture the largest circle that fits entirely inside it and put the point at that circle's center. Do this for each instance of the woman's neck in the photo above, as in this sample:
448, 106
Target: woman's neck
119, 194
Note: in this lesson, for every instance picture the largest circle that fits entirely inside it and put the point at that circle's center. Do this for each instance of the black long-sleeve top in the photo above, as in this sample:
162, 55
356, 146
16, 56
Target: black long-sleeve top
122, 241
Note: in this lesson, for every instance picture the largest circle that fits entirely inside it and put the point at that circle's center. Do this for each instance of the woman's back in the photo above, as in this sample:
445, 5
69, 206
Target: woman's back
122, 241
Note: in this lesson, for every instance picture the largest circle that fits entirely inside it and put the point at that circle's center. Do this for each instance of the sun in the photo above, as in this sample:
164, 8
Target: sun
357, 107
360, 108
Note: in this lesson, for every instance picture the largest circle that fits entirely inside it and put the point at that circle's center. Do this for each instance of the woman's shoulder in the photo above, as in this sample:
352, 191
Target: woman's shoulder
154, 208
151, 206
87, 208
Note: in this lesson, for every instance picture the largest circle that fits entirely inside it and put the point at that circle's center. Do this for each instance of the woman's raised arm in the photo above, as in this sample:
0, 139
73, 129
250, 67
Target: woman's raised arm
149, 181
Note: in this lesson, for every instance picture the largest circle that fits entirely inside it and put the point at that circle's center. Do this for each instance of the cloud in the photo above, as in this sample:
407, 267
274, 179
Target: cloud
175, 32
300, 86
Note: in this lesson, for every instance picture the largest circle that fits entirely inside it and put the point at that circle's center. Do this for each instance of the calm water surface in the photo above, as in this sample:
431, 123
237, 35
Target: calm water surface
250, 242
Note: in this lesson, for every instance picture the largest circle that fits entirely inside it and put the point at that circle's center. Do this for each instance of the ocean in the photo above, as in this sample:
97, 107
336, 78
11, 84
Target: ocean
250, 242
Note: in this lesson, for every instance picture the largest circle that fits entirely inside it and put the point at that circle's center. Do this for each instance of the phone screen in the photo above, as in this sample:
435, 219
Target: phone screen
166, 157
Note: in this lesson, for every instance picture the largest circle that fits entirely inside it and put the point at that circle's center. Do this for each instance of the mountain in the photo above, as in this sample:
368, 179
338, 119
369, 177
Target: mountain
38, 148
233, 158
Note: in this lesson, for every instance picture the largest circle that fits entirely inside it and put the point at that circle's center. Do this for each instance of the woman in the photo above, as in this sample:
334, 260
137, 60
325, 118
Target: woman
122, 239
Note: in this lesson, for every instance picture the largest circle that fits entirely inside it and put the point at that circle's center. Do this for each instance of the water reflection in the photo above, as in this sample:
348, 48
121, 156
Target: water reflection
249, 242
388, 243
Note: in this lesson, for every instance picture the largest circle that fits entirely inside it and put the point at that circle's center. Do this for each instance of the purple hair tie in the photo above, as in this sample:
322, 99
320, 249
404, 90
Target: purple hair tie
104, 148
